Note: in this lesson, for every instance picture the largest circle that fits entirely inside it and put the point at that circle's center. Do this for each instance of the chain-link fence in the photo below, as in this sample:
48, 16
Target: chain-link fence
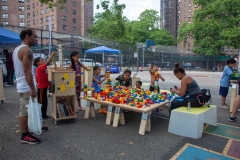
164, 56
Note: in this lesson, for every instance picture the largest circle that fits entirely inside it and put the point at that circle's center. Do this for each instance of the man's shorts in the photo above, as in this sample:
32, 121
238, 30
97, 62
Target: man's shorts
24, 100
223, 91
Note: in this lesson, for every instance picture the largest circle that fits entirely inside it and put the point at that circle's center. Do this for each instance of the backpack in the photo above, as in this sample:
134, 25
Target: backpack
206, 95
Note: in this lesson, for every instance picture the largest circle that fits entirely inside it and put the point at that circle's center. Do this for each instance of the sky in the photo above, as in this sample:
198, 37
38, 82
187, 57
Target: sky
133, 7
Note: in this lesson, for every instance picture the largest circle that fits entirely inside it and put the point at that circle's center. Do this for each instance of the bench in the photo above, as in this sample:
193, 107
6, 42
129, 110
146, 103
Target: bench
190, 124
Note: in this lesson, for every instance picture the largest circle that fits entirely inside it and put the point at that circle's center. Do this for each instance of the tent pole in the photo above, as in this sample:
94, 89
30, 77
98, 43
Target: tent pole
103, 59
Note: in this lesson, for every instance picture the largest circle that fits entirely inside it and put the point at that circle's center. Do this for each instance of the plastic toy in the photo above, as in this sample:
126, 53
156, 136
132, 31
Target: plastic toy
93, 90
85, 89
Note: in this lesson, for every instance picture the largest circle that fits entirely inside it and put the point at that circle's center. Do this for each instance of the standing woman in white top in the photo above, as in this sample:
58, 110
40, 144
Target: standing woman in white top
26, 82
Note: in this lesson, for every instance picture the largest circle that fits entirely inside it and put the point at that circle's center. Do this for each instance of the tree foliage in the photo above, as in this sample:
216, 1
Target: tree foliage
113, 25
216, 24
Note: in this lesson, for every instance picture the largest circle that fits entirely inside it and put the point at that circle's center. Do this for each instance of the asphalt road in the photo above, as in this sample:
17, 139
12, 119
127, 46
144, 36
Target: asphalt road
93, 139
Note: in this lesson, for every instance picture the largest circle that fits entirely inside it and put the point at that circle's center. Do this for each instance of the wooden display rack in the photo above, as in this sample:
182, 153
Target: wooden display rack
55, 74
1, 86
69, 94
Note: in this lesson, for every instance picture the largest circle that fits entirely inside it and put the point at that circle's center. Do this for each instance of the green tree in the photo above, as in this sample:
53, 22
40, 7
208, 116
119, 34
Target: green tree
111, 23
216, 24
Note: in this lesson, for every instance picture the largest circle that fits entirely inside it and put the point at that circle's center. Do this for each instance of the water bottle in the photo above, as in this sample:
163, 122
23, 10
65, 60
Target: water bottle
189, 107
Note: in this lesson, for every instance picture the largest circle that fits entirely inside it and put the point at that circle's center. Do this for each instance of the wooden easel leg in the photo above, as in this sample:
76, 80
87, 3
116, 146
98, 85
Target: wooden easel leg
92, 110
116, 117
109, 115
148, 127
113, 113
233, 96
122, 119
143, 124
87, 112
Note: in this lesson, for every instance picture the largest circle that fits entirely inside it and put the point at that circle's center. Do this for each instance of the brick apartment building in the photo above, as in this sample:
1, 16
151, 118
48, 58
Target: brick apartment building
74, 18
168, 13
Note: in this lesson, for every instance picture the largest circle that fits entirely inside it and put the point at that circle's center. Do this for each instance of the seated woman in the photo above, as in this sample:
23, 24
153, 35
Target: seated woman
125, 79
188, 91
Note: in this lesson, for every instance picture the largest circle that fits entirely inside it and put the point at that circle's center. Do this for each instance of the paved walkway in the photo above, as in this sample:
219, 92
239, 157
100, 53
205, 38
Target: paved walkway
93, 139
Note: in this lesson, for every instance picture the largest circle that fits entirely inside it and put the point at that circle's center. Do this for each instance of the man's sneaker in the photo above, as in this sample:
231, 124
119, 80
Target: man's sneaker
7, 85
30, 139
232, 119
225, 106
44, 128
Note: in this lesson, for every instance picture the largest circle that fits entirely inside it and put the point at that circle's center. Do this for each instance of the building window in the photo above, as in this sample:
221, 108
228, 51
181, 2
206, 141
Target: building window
189, 21
189, 16
52, 8
28, 7
189, 10
41, 4
189, 5
52, 17
178, 12
4, 0
21, 24
64, 9
179, 22
74, 3
188, 44
28, 23
5, 23
4, 7
47, 19
41, 20
47, 10
33, 14
21, 16
28, 0
41, 27
188, 50
65, 27
33, 5
179, 1
21, 8
33, 22
74, 20
74, 12
74, 29
195, 6
41, 11
47, 27
179, 17
64, 18
21, 1
28, 15
52, 26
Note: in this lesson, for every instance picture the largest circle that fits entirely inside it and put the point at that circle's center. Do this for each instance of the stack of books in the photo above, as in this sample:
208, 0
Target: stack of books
64, 109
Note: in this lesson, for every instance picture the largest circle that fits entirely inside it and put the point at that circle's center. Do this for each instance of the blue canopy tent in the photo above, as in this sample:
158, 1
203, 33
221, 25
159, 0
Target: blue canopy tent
103, 50
9, 38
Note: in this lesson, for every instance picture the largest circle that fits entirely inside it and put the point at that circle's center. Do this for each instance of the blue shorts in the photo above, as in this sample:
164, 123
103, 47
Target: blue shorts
223, 91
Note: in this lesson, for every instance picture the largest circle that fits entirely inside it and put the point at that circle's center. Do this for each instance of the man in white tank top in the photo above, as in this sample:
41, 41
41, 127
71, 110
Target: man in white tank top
26, 83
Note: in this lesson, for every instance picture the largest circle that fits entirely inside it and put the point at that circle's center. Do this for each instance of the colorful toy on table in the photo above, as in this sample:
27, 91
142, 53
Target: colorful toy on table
108, 73
85, 90
93, 90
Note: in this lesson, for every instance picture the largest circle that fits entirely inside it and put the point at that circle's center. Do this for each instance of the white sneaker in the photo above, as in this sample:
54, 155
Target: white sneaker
225, 106
7, 85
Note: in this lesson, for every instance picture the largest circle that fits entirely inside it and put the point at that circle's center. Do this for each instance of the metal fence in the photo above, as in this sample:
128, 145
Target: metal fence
164, 56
